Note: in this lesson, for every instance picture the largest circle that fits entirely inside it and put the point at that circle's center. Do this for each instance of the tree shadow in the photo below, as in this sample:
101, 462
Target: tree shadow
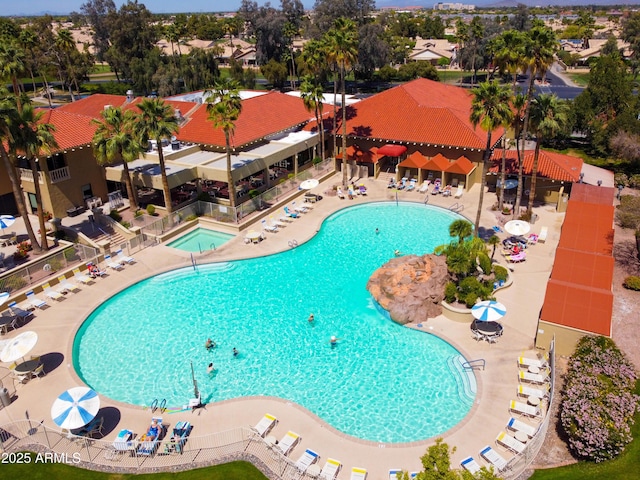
626, 256
51, 361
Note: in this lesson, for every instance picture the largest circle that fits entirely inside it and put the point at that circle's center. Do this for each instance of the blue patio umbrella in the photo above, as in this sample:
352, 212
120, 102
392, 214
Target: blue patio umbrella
75, 408
488, 311
6, 221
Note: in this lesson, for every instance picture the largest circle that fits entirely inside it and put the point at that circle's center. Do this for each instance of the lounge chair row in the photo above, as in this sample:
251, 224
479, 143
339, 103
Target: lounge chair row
490, 455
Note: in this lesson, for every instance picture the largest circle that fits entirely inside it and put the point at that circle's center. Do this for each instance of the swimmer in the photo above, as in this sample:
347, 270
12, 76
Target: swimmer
377, 231
210, 368
235, 352
333, 341
209, 344
397, 253
311, 318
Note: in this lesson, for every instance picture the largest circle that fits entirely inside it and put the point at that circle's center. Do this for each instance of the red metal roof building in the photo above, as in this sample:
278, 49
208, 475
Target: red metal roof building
579, 300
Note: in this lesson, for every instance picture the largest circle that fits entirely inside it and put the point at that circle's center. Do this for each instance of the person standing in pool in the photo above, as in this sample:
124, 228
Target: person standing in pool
311, 318
235, 352
333, 341
210, 369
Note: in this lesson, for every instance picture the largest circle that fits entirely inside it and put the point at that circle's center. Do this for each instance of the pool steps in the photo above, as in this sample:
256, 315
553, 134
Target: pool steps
465, 378
188, 272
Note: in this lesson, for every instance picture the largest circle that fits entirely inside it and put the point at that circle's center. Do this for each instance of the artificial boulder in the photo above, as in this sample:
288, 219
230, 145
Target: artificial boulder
411, 287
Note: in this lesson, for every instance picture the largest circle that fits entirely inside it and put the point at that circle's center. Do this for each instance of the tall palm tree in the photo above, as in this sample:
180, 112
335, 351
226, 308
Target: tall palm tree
223, 110
157, 121
494, 241
540, 48
549, 116
64, 41
32, 138
507, 51
343, 51
12, 67
490, 108
312, 96
518, 103
9, 116
114, 140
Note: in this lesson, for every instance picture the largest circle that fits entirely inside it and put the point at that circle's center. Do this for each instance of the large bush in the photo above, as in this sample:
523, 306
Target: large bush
598, 403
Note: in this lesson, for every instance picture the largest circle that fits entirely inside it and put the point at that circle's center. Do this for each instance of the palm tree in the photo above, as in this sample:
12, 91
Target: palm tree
65, 43
507, 51
461, 229
31, 137
312, 96
540, 48
519, 104
490, 108
549, 116
223, 109
494, 241
157, 121
343, 51
114, 140
12, 66
9, 116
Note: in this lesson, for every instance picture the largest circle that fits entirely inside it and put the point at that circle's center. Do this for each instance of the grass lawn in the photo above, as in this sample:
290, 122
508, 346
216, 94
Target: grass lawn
581, 79
621, 468
60, 471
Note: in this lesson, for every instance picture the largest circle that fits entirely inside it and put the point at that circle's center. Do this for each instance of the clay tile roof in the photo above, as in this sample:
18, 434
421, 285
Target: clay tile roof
583, 268
420, 111
462, 166
415, 160
555, 166
71, 129
93, 105
588, 227
283, 113
581, 192
438, 163
392, 150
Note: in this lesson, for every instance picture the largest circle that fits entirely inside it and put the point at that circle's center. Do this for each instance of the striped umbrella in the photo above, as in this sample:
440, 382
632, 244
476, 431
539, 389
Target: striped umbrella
6, 221
75, 407
488, 311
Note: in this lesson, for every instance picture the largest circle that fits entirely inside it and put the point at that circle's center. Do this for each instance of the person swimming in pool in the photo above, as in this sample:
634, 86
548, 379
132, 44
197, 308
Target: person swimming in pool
333, 341
311, 318
209, 344
210, 369
235, 352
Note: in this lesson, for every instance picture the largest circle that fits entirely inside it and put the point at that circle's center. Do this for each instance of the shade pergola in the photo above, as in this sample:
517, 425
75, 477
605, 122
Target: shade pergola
460, 169
437, 165
415, 161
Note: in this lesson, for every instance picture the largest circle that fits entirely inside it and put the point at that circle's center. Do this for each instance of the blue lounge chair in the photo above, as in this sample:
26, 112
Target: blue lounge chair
148, 443
496, 229
35, 301
18, 312
180, 433
412, 185
290, 214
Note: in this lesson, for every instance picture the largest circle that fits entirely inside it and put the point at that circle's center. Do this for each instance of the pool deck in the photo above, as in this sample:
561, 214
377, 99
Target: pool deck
497, 384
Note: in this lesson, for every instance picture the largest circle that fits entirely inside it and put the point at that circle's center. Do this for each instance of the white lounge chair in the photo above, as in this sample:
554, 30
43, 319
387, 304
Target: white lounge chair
532, 362
539, 378
35, 301
459, 191
65, 285
112, 264
493, 457
122, 258
308, 458
470, 465
524, 409
510, 442
424, 188
269, 228
289, 441
300, 208
525, 391
265, 424
520, 426
542, 237
358, 474
330, 469
393, 473
81, 277
278, 223
50, 292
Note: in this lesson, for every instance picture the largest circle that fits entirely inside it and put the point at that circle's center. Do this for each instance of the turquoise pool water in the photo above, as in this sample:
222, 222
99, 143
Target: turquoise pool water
200, 240
382, 382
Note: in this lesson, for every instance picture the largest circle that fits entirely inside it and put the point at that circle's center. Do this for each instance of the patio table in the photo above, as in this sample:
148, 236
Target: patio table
4, 324
27, 366
489, 329
521, 436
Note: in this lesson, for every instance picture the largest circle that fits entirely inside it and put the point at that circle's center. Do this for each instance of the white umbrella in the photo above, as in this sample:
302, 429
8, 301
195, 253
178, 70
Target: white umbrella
6, 221
19, 346
488, 311
309, 184
517, 227
75, 408
3, 297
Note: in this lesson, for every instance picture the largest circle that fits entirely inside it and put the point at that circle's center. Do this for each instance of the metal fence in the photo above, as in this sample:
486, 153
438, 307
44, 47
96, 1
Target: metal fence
39, 271
222, 447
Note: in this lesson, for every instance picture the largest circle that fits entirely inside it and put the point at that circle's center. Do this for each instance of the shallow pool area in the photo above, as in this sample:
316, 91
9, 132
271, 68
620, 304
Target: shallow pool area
201, 240
381, 382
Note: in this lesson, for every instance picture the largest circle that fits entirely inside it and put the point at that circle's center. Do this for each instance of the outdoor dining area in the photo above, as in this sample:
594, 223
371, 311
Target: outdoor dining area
14, 352
485, 326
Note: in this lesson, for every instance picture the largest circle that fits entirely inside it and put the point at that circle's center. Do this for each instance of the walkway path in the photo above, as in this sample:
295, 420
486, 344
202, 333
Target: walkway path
57, 325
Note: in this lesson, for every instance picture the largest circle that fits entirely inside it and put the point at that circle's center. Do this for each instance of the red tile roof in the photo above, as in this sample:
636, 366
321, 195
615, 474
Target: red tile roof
588, 227
261, 116
415, 160
555, 166
392, 150
461, 166
93, 105
581, 192
71, 129
421, 111
439, 163
583, 268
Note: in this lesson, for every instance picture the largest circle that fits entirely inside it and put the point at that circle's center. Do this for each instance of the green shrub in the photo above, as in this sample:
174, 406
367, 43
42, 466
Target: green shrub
485, 263
56, 264
125, 224
316, 160
501, 273
253, 193
632, 282
473, 285
138, 213
620, 179
151, 209
14, 282
470, 299
193, 216
70, 254
115, 215
634, 181
450, 292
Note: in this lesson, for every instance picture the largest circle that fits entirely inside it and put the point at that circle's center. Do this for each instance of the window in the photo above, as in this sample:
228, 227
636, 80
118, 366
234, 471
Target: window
56, 161
86, 191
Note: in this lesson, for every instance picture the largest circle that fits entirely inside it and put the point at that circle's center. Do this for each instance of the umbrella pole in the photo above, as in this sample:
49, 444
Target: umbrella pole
196, 393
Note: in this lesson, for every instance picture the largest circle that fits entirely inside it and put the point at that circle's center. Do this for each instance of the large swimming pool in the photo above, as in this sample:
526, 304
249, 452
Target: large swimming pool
382, 382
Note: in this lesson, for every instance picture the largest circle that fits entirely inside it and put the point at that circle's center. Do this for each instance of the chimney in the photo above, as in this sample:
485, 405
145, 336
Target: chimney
129, 95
